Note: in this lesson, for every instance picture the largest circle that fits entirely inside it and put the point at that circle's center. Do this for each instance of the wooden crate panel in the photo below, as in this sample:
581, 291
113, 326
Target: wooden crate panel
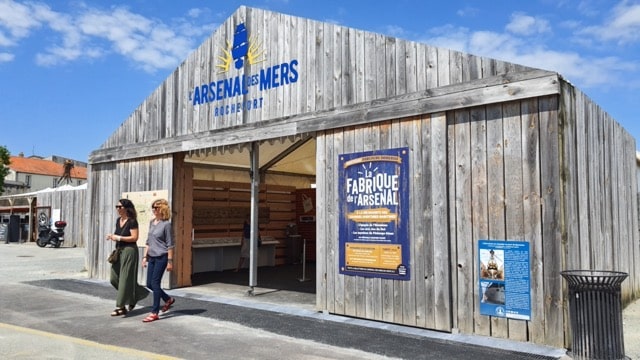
220, 209
285, 207
282, 216
209, 203
205, 215
281, 188
281, 197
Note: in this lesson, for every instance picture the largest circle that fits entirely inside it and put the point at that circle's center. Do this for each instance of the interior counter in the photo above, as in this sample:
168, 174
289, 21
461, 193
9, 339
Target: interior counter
219, 254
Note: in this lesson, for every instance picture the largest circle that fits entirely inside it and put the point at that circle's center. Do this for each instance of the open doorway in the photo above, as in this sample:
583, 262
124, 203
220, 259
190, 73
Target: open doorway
286, 219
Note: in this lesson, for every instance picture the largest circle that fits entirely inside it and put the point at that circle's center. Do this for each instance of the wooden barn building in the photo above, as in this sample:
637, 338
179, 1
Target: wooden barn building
435, 189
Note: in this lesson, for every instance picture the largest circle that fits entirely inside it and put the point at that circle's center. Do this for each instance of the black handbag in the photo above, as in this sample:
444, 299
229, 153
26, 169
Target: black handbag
113, 257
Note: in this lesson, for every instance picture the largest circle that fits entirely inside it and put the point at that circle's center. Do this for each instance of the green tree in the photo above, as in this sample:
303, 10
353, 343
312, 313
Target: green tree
5, 160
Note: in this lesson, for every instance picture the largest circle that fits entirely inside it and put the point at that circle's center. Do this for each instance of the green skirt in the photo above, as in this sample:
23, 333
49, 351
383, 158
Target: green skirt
124, 277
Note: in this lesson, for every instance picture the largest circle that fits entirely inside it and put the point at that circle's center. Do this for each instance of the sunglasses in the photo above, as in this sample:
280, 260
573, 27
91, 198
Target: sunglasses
119, 206
155, 207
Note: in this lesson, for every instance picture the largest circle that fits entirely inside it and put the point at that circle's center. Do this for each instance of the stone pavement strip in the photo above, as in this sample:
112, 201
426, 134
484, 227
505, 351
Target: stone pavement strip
49, 299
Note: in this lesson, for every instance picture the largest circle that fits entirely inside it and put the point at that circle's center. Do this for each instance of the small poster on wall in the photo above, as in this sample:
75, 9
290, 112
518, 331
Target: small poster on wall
142, 201
505, 289
373, 223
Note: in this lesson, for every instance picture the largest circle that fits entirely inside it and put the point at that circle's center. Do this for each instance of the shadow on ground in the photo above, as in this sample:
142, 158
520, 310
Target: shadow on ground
282, 277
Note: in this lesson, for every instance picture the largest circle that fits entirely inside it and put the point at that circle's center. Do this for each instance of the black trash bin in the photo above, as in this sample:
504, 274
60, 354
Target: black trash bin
13, 234
595, 311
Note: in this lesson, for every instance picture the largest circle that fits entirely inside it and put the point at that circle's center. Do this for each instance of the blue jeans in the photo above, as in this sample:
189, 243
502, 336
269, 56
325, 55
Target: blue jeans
155, 269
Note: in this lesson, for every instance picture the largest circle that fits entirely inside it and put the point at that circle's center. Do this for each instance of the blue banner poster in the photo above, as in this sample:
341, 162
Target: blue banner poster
373, 220
505, 288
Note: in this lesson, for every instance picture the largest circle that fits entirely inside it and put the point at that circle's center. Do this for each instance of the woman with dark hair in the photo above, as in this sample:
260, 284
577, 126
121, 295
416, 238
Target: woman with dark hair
124, 272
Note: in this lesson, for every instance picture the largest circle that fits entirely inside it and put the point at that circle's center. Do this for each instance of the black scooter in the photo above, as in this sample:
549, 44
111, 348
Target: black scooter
48, 236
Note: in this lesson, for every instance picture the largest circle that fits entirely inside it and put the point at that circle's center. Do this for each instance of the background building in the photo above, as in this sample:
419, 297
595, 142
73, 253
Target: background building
29, 174
31, 188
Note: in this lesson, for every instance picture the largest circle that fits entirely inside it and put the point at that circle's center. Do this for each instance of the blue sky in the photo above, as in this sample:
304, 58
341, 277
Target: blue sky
72, 71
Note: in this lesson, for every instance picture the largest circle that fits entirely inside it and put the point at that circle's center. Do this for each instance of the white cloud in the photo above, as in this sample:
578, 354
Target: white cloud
395, 31
16, 23
522, 24
152, 45
17, 19
587, 8
194, 13
468, 11
589, 71
622, 26
93, 33
5, 40
449, 37
6, 57
63, 26
487, 42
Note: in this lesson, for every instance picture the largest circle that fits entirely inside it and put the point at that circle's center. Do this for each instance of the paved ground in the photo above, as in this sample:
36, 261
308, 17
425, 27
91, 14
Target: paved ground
51, 310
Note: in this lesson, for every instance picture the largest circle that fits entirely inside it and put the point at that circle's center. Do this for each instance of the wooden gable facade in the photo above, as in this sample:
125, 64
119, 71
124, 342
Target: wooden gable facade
497, 151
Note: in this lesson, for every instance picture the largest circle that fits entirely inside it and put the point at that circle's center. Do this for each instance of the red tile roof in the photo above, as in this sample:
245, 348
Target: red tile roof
44, 167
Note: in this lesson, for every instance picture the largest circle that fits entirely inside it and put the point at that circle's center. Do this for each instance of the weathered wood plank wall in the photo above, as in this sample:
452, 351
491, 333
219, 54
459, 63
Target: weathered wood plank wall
496, 172
72, 205
496, 154
337, 67
424, 301
600, 191
182, 221
106, 185
533, 201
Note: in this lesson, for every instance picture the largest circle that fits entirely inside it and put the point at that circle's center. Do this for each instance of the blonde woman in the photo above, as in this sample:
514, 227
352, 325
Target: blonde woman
158, 256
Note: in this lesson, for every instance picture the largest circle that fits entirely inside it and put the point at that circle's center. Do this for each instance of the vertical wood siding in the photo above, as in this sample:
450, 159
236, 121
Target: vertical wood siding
337, 66
500, 172
600, 191
182, 202
72, 205
425, 300
555, 171
107, 184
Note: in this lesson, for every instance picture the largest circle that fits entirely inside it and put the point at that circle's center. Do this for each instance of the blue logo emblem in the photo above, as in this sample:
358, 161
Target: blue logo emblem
243, 48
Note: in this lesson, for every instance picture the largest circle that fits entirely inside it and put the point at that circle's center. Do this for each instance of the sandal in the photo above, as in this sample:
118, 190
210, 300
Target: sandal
131, 307
119, 311
168, 304
151, 317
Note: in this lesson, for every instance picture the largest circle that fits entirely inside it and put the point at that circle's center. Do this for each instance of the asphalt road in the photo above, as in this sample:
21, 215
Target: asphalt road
50, 310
